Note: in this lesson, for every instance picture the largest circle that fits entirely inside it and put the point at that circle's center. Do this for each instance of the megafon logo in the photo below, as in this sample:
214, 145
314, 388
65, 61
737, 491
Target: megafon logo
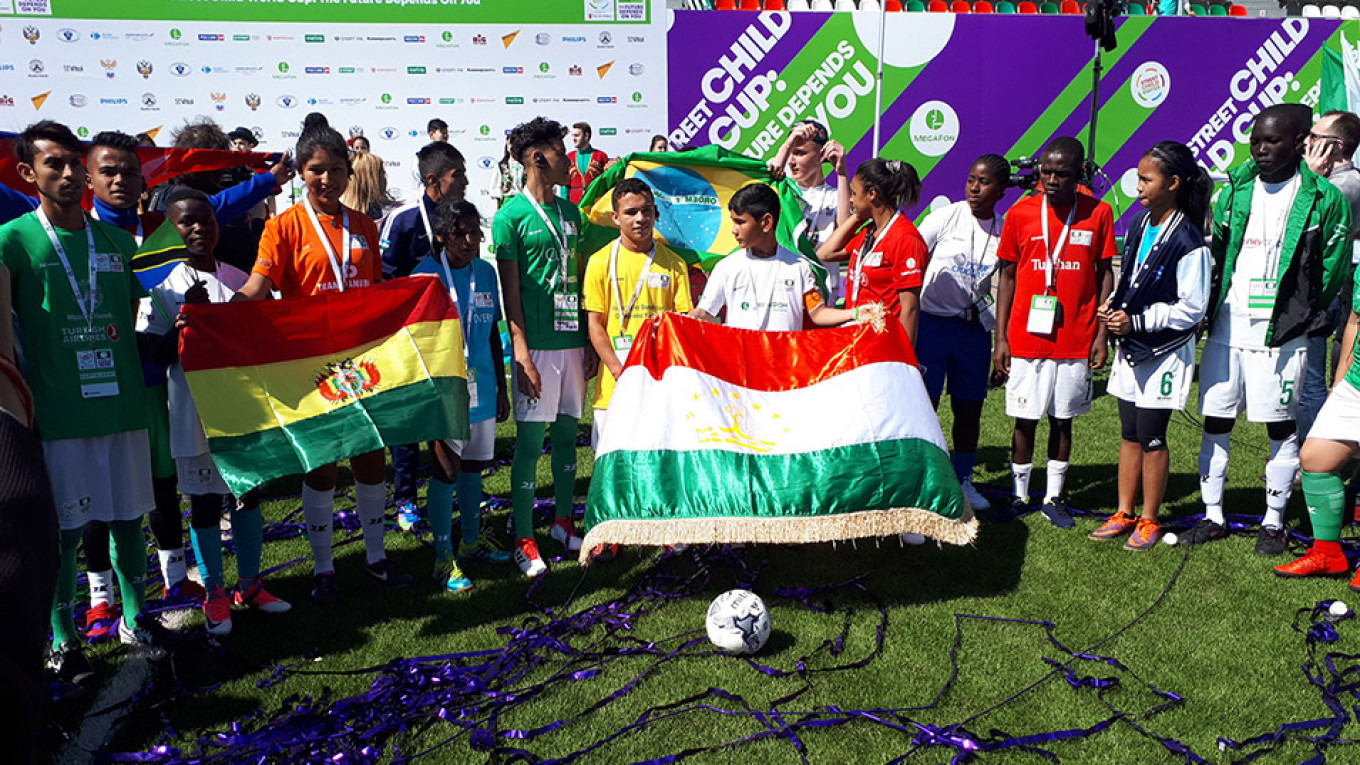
219, 99
933, 128
175, 34
212, 37
144, 68
253, 101
386, 98
180, 69
68, 35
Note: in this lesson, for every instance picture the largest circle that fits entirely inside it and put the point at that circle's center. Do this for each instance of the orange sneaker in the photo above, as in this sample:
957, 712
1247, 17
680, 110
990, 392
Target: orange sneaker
1314, 564
1117, 526
1145, 536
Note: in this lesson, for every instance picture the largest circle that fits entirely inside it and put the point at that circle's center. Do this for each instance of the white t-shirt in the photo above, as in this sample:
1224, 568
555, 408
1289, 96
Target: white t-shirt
820, 205
760, 293
962, 259
1262, 244
186, 430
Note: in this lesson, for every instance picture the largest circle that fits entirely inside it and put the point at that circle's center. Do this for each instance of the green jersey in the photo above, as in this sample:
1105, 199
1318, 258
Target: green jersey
82, 364
549, 269
1353, 374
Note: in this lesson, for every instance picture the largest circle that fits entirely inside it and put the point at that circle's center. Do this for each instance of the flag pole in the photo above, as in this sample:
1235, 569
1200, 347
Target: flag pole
878, 83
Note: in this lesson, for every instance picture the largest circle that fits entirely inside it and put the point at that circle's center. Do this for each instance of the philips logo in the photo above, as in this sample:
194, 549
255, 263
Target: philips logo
113, 102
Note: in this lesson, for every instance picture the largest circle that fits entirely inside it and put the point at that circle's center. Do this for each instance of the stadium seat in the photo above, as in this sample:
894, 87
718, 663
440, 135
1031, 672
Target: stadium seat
1331, 12
1026, 6
893, 6
1049, 9
869, 5
916, 6
938, 6
982, 6
1005, 6
1217, 10
796, 5
1135, 9
1198, 10
1311, 11
750, 5
1070, 7
822, 5
775, 5
1239, 10
960, 6
724, 5
1348, 12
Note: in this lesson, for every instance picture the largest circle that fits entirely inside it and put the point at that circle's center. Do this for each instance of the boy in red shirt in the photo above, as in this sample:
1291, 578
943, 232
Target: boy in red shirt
1055, 268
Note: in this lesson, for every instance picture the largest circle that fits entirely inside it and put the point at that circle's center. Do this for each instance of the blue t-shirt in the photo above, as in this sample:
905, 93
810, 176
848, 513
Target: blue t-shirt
479, 316
1150, 235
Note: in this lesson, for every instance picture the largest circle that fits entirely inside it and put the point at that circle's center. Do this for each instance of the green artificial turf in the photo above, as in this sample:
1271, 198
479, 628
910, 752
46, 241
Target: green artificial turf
1220, 637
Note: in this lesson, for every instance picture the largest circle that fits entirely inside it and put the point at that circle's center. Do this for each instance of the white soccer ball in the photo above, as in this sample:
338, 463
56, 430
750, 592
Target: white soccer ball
738, 622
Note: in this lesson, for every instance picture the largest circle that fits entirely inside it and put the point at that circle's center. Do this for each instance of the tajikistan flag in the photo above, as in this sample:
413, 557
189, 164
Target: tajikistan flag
721, 435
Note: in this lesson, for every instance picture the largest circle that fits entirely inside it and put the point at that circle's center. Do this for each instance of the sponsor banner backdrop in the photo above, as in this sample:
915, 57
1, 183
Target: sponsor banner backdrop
482, 67
958, 86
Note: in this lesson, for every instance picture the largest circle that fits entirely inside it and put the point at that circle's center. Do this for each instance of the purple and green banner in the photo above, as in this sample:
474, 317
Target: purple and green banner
958, 86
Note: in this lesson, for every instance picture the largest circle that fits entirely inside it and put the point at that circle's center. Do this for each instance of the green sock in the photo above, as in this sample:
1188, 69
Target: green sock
470, 505
1326, 497
64, 604
524, 475
439, 512
247, 534
129, 562
564, 463
208, 548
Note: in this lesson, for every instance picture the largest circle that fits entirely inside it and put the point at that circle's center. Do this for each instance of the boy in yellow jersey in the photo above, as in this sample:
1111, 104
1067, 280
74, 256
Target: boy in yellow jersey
628, 281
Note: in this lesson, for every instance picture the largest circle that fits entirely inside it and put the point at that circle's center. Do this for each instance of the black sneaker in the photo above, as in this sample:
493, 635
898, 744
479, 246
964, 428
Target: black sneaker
324, 589
1204, 531
1005, 512
69, 664
1271, 541
386, 571
1056, 512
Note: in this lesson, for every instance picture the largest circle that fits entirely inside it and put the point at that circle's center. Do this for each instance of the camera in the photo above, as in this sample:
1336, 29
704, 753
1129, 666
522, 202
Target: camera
1026, 175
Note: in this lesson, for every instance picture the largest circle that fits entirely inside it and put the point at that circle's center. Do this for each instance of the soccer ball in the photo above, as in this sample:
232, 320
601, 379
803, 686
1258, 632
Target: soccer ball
738, 622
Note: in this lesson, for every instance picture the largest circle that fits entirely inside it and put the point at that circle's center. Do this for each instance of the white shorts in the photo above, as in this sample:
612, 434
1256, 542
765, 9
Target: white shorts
1157, 383
198, 476
1265, 382
563, 374
597, 428
104, 478
1059, 388
1339, 417
480, 446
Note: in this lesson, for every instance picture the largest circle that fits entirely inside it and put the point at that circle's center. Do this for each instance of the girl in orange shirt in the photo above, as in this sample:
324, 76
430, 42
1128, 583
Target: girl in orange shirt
318, 246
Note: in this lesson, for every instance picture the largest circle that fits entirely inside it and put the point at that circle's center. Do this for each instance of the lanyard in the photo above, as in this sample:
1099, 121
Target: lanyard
94, 213
1275, 251
871, 242
625, 313
86, 310
425, 219
560, 239
976, 263
1055, 256
463, 317
1138, 265
339, 266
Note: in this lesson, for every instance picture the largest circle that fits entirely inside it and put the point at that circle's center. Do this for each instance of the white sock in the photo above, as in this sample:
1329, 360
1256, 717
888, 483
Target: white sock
1281, 468
1213, 472
173, 568
1057, 476
318, 510
1020, 479
101, 587
371, 502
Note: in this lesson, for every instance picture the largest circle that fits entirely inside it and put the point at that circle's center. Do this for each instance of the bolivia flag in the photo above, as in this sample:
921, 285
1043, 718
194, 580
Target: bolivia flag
285, 386
720, 435
692, 189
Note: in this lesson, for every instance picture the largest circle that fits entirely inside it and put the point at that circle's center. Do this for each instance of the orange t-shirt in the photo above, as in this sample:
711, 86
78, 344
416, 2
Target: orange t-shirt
296, 262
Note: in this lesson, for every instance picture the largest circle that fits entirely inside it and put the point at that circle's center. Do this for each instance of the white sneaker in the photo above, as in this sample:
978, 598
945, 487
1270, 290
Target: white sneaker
566, 534
527, 558
912, 539
975, 498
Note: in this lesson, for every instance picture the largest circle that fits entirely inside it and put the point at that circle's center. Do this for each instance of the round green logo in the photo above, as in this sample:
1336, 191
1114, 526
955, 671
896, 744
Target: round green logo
283, 67
83, 131
448, 37
543, 67
386, 98
637, 97
934, 119
175, 34
484, 130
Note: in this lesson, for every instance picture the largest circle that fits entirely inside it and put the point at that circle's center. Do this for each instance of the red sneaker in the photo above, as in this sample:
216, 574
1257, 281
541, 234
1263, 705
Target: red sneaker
1314, 564
251, 592
101, 621
217, 612
527, 558
1117, 526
